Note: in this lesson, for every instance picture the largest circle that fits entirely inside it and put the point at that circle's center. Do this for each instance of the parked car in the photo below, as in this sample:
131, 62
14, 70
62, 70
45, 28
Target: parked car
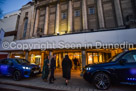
18, 68
119, 69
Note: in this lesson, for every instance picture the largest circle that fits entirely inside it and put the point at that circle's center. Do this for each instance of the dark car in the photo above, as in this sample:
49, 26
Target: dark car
119, 69
18, 68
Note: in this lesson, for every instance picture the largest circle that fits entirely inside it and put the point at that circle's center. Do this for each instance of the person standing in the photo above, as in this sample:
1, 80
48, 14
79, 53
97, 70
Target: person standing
75, 63
45, 71
66, 69
52, 67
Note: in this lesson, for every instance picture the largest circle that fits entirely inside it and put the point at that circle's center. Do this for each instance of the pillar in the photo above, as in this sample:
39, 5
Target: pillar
100, 14
36, 22
26, 55
42, 59
83, 58
46, 21
84, 14
50, 55
113, 53
70, 18
118, 13
57, 18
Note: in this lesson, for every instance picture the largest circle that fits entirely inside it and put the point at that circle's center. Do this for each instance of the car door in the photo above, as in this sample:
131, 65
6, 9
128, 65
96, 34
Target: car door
127, 71
5, 67
0, 67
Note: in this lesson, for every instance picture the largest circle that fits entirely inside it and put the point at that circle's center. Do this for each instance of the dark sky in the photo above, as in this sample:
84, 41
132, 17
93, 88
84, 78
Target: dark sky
11, 5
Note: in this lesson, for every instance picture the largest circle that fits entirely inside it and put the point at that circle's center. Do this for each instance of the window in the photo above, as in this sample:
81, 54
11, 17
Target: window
91, 11
22, 61
77, 13
130, 57
26, 14
25, 27
64, 15
6, 61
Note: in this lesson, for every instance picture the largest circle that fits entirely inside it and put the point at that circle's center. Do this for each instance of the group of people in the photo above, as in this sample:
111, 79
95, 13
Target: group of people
49, 67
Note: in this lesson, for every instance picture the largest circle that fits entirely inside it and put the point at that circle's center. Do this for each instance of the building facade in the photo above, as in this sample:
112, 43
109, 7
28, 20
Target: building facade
10, 25
54, 17
78, 21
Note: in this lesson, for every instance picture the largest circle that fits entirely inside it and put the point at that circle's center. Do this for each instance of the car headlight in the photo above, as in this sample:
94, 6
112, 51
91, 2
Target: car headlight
27, 68
88, 68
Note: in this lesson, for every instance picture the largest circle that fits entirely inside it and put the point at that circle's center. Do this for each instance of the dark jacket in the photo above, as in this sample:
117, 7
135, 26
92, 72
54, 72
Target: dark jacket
53, 63
75, 61
66, 68
45, 71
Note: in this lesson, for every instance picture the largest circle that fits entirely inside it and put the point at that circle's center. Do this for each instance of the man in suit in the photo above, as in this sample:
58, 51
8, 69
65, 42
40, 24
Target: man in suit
52, 67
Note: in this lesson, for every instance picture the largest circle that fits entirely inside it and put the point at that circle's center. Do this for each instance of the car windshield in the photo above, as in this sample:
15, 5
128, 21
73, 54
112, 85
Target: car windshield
114, 58
22, 61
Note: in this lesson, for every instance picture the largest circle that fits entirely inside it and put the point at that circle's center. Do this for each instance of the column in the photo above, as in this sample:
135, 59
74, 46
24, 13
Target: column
33, 14
84, 13
113, 53
70, 18
83, 58
100, 14
50, 55
118, 13
36, 22
57, 19
42, 59
26, 55
46, 21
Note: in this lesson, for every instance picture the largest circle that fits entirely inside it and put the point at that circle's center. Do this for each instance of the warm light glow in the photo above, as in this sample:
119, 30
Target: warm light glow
37, 56
90, 59
17, 56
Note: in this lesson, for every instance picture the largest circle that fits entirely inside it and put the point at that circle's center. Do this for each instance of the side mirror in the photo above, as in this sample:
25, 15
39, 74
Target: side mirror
123, 61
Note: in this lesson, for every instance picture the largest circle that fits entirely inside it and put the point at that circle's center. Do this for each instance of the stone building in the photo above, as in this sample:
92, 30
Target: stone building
54, 17
75, 21
26, 21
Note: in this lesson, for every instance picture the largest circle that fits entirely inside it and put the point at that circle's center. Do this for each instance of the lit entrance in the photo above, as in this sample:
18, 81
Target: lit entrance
76, 64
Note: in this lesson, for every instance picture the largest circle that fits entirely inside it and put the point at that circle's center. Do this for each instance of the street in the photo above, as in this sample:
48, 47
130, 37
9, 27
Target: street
77, 83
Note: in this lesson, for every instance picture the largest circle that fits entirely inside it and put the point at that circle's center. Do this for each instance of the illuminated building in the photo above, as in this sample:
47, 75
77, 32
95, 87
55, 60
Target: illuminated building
80, 21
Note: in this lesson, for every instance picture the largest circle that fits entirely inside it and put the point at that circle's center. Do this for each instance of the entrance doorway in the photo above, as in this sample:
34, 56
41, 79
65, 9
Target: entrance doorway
76, 65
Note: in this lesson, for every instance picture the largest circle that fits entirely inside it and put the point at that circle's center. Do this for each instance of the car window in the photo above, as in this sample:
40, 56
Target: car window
114, 58
6, 61
22, 61
130, 57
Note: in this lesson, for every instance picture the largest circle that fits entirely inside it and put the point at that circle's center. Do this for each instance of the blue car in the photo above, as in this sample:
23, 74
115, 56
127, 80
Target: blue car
119, 69
18, 68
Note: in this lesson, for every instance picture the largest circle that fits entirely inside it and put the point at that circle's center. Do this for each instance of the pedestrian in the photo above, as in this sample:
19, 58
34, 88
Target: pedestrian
45, 71
75, 63
52, 67
66, 69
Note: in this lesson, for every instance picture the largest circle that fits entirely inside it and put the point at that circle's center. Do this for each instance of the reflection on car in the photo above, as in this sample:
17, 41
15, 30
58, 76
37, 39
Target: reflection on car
119, 69
18, 68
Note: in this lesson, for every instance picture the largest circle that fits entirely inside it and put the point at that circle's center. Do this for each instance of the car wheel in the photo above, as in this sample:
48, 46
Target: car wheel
17, 76
101, 81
